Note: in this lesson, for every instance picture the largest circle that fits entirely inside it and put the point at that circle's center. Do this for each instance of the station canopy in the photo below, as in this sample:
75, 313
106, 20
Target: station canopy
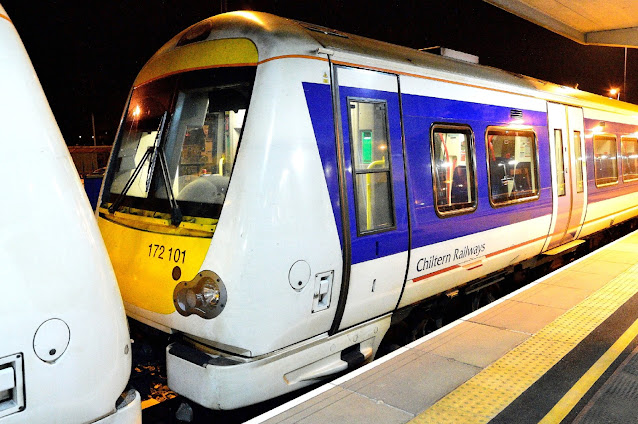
596, 22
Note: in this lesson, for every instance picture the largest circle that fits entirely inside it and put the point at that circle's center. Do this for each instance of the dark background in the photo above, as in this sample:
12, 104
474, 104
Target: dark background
88, 54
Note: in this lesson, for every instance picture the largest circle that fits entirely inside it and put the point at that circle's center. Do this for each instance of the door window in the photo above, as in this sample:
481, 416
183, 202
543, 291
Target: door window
371, 165
560, 162
579, 162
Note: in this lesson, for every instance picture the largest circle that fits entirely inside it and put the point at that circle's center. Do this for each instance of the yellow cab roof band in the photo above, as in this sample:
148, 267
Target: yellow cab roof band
200, 55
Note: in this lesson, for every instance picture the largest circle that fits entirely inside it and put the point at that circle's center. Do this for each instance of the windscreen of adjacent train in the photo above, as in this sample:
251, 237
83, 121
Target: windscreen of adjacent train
178, 141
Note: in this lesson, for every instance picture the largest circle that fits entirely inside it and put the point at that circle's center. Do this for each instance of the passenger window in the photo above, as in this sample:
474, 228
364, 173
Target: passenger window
371, 165
629, 152
513, 166
579, 162
605, 160
560, 162
453, 170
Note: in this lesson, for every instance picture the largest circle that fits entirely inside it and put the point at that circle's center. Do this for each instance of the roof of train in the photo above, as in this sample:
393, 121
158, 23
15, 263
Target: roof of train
275, 36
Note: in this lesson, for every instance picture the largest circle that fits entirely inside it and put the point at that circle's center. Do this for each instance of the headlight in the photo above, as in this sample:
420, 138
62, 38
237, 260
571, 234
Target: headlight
204, 295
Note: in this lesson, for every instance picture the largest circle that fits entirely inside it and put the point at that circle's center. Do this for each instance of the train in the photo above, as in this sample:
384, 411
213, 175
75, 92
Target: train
65, 352
280, 193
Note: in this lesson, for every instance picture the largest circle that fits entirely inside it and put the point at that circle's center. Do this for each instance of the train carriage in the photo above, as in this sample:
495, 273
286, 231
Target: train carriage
278, 191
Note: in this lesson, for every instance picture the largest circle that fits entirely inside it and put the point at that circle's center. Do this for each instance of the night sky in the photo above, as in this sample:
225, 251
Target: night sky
88, 55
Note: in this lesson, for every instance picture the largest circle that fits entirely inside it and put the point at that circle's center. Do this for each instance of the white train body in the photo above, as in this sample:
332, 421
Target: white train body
291, 268
64, 344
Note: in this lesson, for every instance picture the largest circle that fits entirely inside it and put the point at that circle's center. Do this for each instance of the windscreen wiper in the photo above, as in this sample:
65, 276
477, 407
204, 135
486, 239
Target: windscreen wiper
158, 152
156, 143
153, 153
148, 154
115, 205
176, 213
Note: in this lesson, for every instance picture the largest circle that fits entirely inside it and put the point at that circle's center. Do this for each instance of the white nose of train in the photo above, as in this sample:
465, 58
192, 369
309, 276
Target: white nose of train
65, 352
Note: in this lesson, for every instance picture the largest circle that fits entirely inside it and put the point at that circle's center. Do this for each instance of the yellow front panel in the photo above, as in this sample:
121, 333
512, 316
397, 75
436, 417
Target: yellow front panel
202, 55
148, 265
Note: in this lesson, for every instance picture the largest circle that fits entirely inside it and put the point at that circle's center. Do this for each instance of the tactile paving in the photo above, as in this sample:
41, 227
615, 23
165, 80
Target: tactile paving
485, 395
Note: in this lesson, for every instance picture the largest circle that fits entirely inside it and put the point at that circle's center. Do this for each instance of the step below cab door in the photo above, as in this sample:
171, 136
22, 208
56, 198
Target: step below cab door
371, 148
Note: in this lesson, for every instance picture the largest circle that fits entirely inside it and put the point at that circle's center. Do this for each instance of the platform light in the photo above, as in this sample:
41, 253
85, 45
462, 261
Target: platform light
615, 92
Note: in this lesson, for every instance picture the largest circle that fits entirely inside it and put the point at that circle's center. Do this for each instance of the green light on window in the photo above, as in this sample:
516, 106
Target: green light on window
366, 146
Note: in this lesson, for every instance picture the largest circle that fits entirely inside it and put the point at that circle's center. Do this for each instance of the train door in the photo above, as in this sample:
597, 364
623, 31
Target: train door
566, 136
373, 183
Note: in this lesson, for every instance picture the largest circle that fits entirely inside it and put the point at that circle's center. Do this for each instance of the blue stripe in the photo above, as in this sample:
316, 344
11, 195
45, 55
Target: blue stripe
420, 113
453, 110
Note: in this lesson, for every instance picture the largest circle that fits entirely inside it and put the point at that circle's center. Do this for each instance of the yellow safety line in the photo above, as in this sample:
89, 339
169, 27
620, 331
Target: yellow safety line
485, 395
149, 402
573, 396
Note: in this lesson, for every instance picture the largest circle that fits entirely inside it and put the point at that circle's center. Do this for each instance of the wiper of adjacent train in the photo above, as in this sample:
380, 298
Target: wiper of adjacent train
152, 153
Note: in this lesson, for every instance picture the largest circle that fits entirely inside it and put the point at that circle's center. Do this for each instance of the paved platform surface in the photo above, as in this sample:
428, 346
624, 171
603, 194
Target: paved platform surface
562, 349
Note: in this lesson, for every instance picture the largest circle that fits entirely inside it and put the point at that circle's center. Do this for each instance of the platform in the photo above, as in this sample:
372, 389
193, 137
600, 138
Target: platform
562, 349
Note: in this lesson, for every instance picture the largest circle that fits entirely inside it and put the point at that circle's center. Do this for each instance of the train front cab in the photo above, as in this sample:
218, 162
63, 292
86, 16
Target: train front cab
218, 221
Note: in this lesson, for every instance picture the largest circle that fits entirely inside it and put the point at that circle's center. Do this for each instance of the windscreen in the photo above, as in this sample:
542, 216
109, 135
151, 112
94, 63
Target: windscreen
178, 142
